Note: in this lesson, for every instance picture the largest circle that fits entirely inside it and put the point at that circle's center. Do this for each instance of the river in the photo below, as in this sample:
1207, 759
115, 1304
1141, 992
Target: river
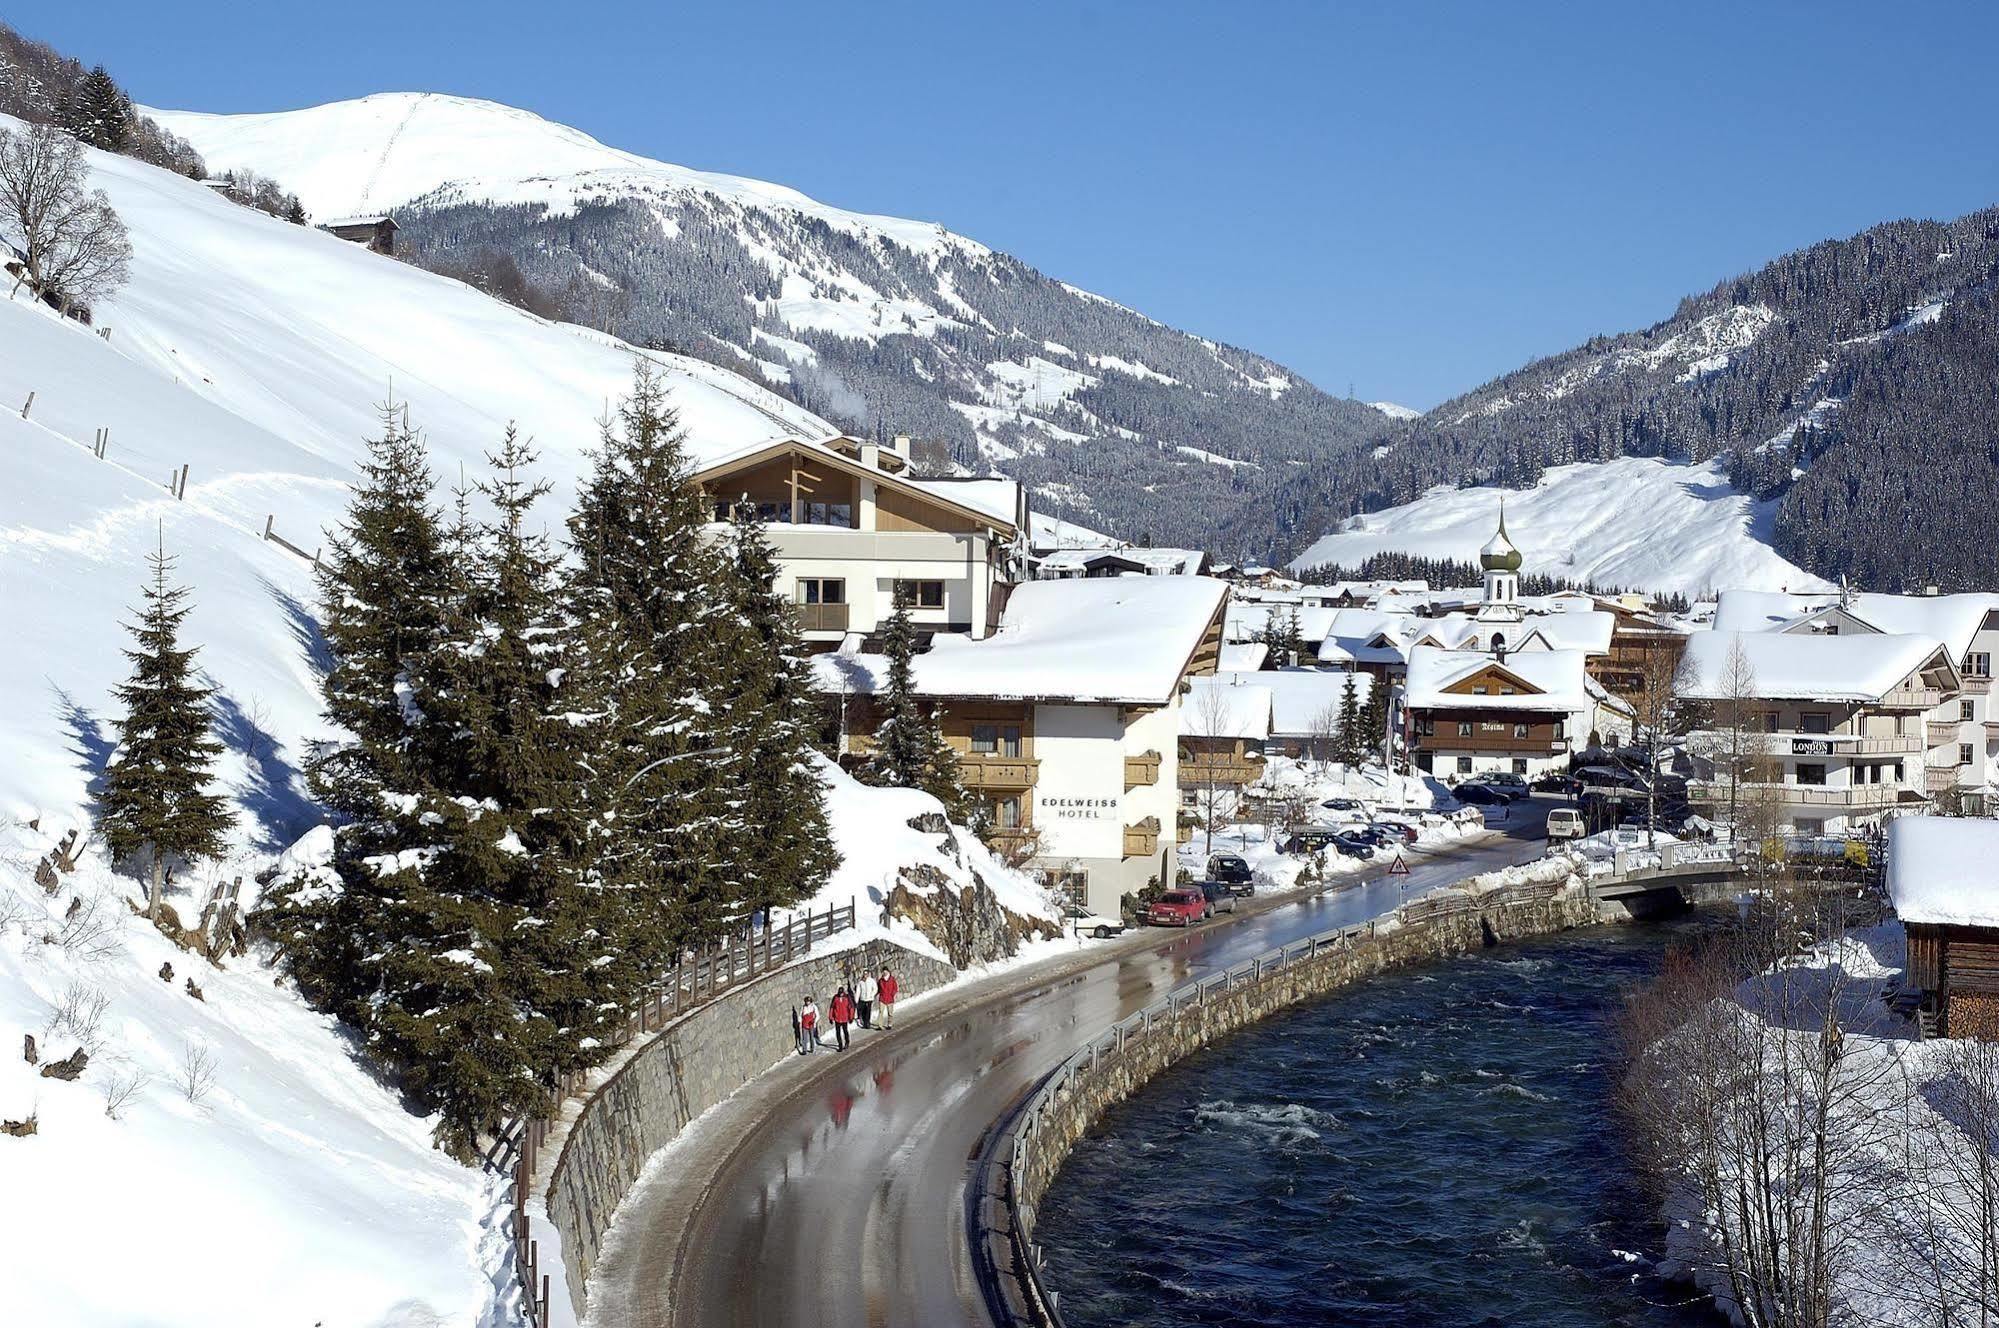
1433, 1148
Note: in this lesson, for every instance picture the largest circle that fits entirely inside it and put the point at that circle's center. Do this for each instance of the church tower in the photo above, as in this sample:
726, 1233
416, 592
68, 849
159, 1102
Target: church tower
1501, 560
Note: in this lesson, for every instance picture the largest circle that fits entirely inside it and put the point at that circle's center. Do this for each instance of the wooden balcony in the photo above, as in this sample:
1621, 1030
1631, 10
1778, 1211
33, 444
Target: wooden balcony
1142, 839
1141, 771
1940, 730
1220, 767
1805, 795
982, 770
821, 617
1915, 698
1937, 778
1504, 743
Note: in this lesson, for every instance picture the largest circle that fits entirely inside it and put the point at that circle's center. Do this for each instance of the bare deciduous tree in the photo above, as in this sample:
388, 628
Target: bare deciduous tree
196, 1074
73, 246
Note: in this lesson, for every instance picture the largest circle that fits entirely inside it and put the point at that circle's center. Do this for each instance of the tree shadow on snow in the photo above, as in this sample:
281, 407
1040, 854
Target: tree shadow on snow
304, 627
274, 794
90, 744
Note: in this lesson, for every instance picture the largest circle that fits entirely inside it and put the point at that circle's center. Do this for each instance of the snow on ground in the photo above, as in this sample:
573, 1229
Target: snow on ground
1636, 521
1900, 1114
294, 1189
1395, 412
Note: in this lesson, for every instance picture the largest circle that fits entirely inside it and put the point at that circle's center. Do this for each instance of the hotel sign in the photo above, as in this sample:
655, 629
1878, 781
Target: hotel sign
1811, 747
1081, 809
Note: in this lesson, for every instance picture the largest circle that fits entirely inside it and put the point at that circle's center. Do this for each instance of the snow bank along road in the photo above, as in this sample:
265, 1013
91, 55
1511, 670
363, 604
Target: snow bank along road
833, 1192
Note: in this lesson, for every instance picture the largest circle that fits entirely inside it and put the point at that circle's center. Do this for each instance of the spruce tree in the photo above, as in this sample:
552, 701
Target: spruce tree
910, 752
645, 594
784, 848
155, 801
1351, 743
382, 583
98, 112
1373, 719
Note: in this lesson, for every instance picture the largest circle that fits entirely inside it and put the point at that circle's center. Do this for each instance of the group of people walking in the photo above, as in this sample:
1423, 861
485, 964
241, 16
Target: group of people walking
853, 1001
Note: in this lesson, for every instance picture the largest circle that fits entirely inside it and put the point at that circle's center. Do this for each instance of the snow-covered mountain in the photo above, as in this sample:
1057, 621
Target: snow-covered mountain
875, 322
1636, 521
1847, 388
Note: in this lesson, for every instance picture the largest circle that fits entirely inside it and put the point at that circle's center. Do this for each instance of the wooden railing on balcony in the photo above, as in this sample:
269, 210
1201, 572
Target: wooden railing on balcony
1937, 778
1221, 767
1915, 698
1806, 795
821, 617
1940, 730
981, 770
1141, 771
1141, 840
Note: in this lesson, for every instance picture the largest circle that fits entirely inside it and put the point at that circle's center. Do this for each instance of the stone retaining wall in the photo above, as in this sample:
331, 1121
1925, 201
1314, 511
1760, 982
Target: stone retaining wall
1069, 1111
688, 1068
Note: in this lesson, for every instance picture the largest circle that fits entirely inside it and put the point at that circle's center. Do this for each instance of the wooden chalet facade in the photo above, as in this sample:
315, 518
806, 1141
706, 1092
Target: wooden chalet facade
1943, 879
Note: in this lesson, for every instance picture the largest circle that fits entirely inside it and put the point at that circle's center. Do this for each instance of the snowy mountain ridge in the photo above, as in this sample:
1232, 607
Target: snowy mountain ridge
874, 322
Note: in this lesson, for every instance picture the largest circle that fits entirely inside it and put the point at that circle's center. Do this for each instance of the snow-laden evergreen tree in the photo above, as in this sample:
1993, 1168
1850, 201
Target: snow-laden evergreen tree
910, 751
1373, 724
155, 803
382, 583
645, 591
785, 851
1352, 745
98, 112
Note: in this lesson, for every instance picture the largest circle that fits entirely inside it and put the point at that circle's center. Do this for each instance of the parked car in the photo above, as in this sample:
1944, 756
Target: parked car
1391, 831
1566, 823
1182, 906
1311, 840
1341, 805
1082, 922
1481, 795
1505, 781
1566, 785
1230, 869
1220, 897
1353, 846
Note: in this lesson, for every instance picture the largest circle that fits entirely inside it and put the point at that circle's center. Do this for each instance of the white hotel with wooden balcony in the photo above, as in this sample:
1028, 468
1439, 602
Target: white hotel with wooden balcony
1062, 698
1866, 705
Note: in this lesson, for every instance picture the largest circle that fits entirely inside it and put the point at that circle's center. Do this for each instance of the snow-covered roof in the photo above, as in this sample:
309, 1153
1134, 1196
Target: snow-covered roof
1299, 697
1247, 621
1243, 656
1944, 870
1558, 680
1113, 639
1786, 666
992, 495
1951, 619
1052, 532
1586, 630
1226, 707
334, 223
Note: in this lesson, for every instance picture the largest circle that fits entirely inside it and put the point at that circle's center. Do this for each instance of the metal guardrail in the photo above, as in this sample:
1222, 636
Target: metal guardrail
685, 988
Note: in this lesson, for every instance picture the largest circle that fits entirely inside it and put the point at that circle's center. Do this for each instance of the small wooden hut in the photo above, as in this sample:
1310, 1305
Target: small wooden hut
1943, 877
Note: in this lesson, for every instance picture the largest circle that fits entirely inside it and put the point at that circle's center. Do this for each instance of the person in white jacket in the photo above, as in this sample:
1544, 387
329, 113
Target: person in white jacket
865, 992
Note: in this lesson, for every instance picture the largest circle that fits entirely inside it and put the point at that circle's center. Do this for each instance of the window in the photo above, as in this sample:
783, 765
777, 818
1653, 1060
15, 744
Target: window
1009, 740
985, 739
920, 594
1071, 886
1772, 721
1464, 765
1479, 689
1504, 690
827, 514
1812, 773
822, 590
1006, 813
1901, 726
1519, 765
1812, 826
1815, 721
1464, 728
1978, 664
726, 510
1967, 710
1964, 753
1426, 727
1519, 730
1898, 772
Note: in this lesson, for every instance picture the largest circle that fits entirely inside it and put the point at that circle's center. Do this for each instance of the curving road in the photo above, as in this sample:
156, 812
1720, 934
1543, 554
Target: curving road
835, 1195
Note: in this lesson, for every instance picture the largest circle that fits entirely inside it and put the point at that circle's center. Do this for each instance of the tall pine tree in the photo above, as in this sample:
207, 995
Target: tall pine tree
910, 751
783, 850
155, 803
1351, 744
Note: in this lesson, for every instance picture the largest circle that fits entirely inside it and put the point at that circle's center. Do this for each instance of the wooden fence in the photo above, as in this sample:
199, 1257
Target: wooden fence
686, 987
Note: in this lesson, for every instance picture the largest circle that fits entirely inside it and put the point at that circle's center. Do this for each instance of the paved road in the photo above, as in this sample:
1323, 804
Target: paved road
841, 1203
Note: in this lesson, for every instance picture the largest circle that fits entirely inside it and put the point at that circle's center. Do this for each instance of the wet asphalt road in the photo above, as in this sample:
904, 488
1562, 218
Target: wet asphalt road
844, 1205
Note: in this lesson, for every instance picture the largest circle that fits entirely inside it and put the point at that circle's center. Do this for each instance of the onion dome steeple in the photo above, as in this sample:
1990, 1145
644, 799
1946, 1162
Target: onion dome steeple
1500, 554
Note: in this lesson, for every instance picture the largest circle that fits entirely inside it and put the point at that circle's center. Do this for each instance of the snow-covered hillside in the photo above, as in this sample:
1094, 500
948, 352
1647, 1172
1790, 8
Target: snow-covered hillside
1633, 522
1114, 418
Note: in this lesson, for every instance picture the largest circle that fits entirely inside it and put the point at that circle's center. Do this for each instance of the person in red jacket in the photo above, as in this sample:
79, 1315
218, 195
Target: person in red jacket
843, 1014
889, 987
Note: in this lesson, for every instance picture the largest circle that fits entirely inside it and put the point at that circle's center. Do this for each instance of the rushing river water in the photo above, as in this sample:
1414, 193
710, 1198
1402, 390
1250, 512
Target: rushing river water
1429, 1148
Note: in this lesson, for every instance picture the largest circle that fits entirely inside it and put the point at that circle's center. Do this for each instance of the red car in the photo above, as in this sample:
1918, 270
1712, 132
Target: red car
1177, 908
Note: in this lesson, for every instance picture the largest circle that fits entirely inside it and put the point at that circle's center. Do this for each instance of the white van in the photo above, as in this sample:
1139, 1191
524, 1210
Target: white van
1565, 823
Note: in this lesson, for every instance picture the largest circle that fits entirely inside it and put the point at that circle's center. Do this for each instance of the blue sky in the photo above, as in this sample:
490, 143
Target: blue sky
1407, 197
